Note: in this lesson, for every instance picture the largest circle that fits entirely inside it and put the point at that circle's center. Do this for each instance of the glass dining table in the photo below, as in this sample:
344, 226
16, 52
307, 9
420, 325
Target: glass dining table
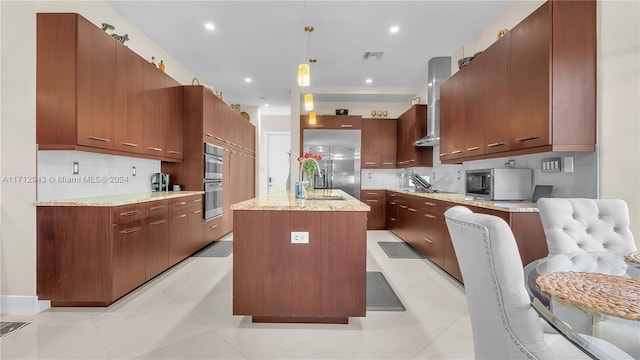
589, 297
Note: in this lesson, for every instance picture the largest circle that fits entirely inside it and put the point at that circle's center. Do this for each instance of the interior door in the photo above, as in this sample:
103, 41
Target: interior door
278, 150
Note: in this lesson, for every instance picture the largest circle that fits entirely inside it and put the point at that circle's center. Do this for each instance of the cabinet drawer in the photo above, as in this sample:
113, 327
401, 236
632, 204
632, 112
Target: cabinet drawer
182, 203
156, 207
431, 206
347, 122
127, 213
212, 229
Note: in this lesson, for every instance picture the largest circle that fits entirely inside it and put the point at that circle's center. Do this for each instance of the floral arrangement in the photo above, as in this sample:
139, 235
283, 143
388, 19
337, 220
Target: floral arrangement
309, 167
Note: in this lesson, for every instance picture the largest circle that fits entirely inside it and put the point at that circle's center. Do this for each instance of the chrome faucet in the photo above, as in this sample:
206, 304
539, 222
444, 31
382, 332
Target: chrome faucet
304, 161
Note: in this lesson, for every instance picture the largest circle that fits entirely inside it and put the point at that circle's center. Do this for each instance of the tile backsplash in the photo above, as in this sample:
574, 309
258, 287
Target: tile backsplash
98, 175
582, 182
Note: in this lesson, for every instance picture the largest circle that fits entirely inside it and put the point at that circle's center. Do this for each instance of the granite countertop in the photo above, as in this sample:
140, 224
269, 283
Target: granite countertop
118, 200
507, 206
286, 201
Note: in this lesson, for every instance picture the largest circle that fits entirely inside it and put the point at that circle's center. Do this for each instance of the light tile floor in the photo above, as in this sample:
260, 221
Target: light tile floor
185, 313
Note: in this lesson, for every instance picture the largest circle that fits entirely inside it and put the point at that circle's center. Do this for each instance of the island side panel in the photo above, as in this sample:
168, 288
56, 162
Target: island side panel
274, 278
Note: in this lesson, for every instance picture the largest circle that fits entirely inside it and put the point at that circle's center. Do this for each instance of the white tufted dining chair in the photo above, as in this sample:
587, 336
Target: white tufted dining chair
586, 225
504, 324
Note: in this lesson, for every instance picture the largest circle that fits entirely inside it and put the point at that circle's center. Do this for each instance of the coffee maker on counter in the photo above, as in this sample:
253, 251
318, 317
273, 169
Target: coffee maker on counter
160, 182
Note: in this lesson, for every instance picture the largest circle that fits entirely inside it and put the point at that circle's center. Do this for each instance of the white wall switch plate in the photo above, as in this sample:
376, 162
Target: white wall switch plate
551, 165
299, 237
568, 164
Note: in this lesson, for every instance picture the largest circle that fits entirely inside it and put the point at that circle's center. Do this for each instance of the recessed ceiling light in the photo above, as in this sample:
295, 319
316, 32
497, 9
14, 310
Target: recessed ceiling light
394, 29
266, 105
247, 80
368, 81
209, 26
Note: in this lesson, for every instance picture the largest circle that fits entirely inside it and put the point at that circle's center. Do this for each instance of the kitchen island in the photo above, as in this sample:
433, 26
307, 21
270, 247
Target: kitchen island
300, 260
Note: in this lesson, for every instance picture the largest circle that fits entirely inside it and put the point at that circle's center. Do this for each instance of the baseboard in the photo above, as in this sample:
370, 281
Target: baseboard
22, 305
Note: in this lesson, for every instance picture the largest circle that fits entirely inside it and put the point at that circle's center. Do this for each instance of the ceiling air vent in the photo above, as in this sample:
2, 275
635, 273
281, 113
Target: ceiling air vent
372, 55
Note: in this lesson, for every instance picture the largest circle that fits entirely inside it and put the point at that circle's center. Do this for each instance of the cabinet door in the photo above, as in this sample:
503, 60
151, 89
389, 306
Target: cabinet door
129, 89
322, 122
157, 245
212, 230
375, 200
497, 90
195, 234
474, 75
387, 143
175, 123
154, 110
370, 143
391, 212
456, 131
347, 122
431, 230
227, 214
128, 265
178, 236
446, 100
450, 259
531, 80
95, 86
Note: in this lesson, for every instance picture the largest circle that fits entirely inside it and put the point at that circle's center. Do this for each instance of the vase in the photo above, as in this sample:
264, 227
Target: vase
309, 173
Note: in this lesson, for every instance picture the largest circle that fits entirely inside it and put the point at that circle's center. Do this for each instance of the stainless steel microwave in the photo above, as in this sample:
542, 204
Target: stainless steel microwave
499, 184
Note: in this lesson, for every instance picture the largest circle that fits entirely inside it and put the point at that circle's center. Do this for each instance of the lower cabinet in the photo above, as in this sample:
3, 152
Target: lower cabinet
419, 221
376, 201
94, 255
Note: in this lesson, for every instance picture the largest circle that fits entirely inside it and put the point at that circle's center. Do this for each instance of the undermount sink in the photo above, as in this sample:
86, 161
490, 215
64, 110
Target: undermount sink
325, 197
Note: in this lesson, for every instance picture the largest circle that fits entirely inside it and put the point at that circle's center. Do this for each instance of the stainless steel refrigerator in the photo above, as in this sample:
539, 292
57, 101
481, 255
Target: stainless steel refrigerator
340, 164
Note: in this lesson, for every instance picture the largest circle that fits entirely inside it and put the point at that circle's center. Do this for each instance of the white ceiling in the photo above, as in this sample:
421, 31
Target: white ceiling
264, 40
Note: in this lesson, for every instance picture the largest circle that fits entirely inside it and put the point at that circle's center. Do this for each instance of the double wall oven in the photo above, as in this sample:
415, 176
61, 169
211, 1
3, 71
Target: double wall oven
213, 165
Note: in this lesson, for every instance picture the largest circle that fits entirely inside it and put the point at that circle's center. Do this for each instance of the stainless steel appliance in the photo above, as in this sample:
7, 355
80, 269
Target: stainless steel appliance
213, 155
160, 182
438, 71
499, 184
340, 164
213, 177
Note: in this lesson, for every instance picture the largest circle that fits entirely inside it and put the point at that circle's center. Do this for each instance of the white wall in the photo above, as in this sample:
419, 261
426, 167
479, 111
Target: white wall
269, 124
17, 138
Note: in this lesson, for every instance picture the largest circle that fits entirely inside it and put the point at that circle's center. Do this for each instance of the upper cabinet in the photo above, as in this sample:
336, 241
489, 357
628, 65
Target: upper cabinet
95, 94
534, 90
345, 122
412, 125
379, 143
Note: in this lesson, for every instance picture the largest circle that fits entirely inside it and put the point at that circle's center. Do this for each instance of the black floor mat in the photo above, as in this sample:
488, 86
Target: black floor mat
399, 250
380, 295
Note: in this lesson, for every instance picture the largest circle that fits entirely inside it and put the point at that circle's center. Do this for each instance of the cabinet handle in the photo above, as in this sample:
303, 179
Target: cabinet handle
429, 203
96, 138
427, 240
180, 216
130, 213
346, 126
157, 208
412, 160
444, 154
387, 163
180, 203
217, 138
392, 195
429, 216
403, 207
316, 125
129, 231
155, 223
527, 138
209, 135
456, 152
213, 226
369, 163
197, 211
154, 148
393, 203
473, 148
371, 200
392, 219
370, 193
227, 141
174, 152
197, 200
496, 144
130, 144
412, 210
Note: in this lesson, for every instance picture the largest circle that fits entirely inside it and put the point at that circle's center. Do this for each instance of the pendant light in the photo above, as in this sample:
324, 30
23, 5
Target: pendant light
312, 118
304, 69
308, 101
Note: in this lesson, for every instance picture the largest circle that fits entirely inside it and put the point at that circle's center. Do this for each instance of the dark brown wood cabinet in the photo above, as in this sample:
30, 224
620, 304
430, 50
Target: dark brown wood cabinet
129, 257
344, 122
376, 201
391, 211
551, 96
430, 238
95, 94
157, 239
411, 126
378, 143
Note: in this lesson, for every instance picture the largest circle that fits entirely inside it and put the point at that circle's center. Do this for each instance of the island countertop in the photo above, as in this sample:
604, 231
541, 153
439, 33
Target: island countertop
317, 200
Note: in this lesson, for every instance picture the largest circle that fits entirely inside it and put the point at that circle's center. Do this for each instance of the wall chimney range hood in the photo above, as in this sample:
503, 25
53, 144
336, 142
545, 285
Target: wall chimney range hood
438, 71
